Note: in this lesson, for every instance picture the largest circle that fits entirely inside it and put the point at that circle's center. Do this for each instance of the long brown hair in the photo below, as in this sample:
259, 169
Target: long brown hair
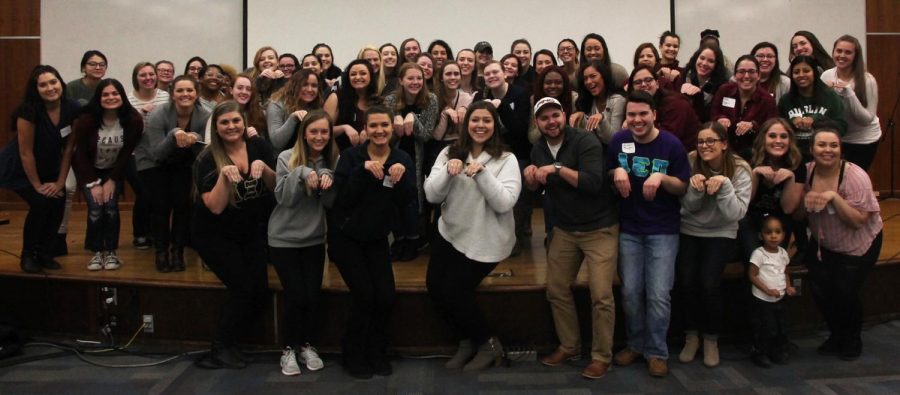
253, 113
254, 72
300, 152
216, 147
421, 100
791, 161
730, 161
289, 95
463, 146
858, 66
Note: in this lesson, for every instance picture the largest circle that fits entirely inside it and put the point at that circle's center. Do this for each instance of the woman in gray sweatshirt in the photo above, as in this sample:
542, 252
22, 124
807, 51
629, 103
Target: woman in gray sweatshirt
297, 234
715, 201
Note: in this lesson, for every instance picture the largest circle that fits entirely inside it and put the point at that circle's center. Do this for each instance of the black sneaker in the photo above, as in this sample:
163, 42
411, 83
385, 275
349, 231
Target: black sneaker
47, 262
761, 360
60, 247
851, 349
142, 243
358, 367
29, 263
832, 346
381, 365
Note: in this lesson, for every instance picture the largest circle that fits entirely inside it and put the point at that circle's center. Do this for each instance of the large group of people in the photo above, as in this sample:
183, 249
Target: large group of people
662, 175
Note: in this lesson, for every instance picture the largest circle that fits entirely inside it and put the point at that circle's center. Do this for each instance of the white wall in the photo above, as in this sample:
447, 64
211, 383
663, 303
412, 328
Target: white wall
130, 31
348, 25
743, 24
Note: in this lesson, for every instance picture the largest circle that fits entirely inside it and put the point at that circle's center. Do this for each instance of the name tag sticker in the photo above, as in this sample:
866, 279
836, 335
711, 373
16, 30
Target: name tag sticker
387, 182
628, 148
728, 102
65, 131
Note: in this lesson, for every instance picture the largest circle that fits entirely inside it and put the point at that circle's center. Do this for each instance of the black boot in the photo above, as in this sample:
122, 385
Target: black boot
29, 263
177, 259
47, 262
60, 247
162, 261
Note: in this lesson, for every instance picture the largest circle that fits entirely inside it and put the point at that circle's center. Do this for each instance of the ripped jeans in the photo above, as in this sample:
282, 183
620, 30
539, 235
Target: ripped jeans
103, 219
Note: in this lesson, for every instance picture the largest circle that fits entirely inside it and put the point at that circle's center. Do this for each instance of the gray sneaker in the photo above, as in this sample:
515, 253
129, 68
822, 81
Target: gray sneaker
96, 262
310, 357
111, 262
289, 365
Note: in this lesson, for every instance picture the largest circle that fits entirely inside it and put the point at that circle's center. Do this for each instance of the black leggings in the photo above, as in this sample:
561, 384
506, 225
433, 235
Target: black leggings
42, 222
452, 279
169, 187
300, 271
860, 154
366, 269
140, 213
240, 263
837, 280
698, 279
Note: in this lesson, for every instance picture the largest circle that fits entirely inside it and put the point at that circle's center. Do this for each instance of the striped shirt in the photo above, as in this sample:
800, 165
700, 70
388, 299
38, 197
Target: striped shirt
827, 227
138, 104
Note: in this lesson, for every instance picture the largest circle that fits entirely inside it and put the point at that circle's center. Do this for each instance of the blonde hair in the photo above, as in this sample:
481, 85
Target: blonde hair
300, 151
379, 82
255, 72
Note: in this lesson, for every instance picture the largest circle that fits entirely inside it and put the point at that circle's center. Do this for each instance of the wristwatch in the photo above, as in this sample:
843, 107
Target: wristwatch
558, 167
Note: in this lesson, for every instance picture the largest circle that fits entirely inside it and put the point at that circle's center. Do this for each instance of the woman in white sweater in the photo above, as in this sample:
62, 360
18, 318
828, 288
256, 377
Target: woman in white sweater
477, 184
715, 201
859, 92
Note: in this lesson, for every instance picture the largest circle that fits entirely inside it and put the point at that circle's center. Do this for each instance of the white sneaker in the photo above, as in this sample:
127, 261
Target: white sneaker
289, 365
111, 262
96, 262
310, 357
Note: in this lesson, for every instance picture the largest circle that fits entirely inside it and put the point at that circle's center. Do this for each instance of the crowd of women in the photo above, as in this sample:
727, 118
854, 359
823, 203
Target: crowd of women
428, 146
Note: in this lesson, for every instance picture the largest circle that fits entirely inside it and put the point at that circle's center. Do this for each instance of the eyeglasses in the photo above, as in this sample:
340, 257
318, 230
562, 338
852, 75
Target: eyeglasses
764, 56
709, 141
745, 71
645, 81
566, 49
165, 71
96, 65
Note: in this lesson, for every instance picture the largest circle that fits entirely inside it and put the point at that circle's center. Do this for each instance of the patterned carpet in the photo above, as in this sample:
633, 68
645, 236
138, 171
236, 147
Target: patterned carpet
878, 371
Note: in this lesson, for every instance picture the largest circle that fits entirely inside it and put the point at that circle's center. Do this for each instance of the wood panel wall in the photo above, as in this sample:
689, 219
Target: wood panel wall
883, 61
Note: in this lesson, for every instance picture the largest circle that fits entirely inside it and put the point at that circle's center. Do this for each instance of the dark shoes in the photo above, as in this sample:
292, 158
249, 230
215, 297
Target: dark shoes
176, 259
626, 357
162, 262
761, 359
142, 243
60, 247
358, 367
220, 357
29, 263
381, 365
559, 356
405, 250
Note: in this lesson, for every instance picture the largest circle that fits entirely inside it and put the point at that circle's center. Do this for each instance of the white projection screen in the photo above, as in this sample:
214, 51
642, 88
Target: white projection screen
348, 25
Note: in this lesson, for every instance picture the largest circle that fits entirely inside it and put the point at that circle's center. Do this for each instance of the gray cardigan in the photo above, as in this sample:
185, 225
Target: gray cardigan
158, 141
298, 219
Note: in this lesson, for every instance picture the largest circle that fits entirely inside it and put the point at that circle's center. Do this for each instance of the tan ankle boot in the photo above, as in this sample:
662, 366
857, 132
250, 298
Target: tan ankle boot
711, 353
691, 345
489, 353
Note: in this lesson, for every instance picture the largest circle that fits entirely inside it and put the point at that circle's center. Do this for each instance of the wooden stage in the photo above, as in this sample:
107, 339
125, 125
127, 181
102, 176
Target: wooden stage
74, 300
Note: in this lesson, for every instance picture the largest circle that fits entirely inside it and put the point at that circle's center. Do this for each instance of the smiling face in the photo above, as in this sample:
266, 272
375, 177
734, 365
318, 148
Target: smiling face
267, 60
212, 79
242, 90
194, 69
359, 76
311, 62
640, 119
481, 126
801, 46
566, 52
373, 57
110, 99
553, 84
95, 68
645, 81
317, 135
165, 73
439, 53
49, 87
767, 59
493, 76
184, 94
230, 127
706, 62
427, 66
669, 49
522, 52
466, 60
542, 62
146, 77
593, 49
843, 54
309, 91
802, 74
711, 147
287, 66
826, 149
451, 77
551, 121
412, 82
324, 56
778, 141
511, 68
746, 75
389, 56
379, 128
593, 81
411, 50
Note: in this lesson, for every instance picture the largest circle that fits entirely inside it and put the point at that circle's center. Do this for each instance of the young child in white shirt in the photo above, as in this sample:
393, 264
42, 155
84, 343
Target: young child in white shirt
770, 284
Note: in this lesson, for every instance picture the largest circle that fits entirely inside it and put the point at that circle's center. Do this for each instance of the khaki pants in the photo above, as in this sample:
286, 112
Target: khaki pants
599, 250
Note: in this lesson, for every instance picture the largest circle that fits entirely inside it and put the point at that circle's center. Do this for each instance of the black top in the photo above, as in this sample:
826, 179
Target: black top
364, 207
253, 200
515, 114
768, 199
49, 141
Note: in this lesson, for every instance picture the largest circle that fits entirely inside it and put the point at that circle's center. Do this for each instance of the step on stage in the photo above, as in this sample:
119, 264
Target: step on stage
185, 306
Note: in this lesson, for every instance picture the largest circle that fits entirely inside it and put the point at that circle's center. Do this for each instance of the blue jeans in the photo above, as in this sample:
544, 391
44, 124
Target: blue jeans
647, 269
102, 219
